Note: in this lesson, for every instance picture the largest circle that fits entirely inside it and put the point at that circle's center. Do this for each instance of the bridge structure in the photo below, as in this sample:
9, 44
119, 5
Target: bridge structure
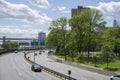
21, 41
24, 43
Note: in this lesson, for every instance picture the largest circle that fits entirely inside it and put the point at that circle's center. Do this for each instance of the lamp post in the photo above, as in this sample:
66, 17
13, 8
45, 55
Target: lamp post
34, 50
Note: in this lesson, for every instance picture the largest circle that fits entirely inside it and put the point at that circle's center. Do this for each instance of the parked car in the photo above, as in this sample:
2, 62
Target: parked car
115, 77
36, 68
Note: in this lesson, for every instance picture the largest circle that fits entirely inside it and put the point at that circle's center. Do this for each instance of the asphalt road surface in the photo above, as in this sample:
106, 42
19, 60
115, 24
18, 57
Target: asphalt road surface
14, 67
77, 73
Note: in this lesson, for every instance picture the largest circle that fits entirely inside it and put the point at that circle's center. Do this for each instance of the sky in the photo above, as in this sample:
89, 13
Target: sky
25, 18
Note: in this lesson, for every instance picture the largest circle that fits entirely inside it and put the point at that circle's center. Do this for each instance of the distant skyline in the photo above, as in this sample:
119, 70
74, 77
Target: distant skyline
25, 18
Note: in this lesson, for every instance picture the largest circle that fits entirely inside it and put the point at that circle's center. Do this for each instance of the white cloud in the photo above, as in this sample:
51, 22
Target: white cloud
22, 13
110, 9
63, 9
21, 33
15, 32
40, 3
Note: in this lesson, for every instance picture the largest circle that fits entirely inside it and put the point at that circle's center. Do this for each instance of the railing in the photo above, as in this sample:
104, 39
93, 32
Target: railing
57, 74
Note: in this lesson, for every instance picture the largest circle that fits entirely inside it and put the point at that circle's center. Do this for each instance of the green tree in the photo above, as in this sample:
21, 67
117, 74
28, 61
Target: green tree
76, 26
71, 44
58, 25
84, 26
10, 45
53, 38
111, 39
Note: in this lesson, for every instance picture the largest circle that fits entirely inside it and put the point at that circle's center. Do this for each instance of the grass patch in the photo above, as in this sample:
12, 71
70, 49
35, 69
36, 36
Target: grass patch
111, 66
111, 69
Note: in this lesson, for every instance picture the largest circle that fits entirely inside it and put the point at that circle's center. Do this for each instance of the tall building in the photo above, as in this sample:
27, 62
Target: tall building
77, 10
4, 38
114, 22
41, 38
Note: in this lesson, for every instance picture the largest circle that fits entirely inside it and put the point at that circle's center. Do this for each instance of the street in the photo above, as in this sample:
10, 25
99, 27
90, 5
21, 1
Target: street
77, 73
14, 67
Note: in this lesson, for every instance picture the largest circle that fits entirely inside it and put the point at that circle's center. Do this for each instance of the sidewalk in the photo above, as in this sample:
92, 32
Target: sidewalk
83, 66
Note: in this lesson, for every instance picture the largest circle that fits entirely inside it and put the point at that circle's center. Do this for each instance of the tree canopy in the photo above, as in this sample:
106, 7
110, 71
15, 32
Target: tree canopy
10, 45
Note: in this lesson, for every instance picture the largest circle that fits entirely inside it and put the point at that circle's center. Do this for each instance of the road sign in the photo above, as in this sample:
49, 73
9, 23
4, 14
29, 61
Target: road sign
42, 43
34, 43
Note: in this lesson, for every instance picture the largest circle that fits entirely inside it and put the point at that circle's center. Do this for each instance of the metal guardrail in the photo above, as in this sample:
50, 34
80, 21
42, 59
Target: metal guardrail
57, 74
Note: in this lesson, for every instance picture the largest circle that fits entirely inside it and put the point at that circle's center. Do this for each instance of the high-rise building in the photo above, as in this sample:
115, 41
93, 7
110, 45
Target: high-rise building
4, 38
41, 38
114, 22
78, 10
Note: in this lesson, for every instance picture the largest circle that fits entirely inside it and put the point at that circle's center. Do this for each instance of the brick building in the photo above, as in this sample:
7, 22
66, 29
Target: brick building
77, 10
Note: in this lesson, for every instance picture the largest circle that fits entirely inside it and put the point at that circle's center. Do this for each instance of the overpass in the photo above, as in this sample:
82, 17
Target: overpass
21, 41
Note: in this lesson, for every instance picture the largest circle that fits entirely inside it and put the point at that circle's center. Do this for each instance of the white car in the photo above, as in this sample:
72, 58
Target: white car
16, 51
115, 77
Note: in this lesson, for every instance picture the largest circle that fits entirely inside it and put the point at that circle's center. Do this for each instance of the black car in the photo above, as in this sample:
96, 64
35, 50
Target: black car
36, 68
40, 52
43, 51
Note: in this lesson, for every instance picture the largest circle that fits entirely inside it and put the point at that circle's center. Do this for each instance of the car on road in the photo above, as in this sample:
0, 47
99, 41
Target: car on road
43, 51
115, 77
40, 52
23, 51
16, 51
36, 68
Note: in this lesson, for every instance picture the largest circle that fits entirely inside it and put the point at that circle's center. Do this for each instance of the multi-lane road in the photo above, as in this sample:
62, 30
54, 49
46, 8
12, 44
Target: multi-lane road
77, 73
14, 67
